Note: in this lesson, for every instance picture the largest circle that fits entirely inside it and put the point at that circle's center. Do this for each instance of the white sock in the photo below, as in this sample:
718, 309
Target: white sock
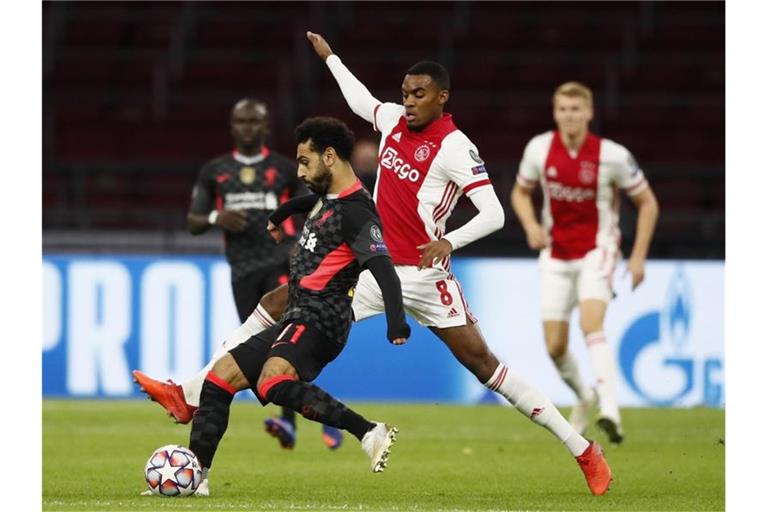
568, 369
536, 406
606, 373
259, 320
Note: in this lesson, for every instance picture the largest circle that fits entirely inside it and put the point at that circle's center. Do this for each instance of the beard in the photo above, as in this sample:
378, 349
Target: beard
320, 184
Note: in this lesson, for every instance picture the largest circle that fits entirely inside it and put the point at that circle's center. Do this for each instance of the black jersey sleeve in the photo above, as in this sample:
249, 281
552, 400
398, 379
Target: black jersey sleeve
301, 204
361, 229
203, 192
384, 272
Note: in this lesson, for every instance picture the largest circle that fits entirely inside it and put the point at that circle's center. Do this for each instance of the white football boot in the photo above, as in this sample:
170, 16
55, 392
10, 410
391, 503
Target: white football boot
582, 411
377, 443
202, 489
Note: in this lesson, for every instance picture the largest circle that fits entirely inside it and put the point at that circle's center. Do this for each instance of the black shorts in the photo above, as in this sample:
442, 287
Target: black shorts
305, 347
249, 290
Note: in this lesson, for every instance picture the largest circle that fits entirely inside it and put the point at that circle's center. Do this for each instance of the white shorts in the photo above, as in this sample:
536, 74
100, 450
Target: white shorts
432, 296
564, 283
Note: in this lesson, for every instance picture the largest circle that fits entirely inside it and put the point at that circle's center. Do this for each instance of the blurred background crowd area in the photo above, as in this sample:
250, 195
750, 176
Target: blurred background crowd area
137, 95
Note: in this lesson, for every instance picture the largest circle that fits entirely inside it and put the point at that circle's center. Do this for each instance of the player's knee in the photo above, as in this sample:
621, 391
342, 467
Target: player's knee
589, 325
228, 371
556, 350
275, 370
268, 387
275, 301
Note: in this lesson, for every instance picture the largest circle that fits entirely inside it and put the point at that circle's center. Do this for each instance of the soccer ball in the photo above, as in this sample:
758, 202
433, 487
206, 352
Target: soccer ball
173, 471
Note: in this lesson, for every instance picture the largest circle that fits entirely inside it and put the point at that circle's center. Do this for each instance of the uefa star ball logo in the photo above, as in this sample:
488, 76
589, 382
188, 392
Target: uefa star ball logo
422, 153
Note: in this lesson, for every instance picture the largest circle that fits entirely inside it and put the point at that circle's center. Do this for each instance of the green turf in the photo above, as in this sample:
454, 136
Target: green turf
446, 458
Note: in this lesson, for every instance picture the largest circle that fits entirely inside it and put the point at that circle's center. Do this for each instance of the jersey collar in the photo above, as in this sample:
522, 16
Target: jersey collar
436, 125
357, 185
247, 160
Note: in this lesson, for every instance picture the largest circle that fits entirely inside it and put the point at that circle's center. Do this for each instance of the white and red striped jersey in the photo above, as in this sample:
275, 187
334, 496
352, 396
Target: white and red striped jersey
420, 177
581, 200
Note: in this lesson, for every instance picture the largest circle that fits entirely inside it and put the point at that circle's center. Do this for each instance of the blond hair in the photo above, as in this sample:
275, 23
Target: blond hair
574, 90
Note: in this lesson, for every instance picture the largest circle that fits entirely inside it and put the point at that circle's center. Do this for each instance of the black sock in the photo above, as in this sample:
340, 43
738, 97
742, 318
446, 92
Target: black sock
289, 415
209, 422
315, 404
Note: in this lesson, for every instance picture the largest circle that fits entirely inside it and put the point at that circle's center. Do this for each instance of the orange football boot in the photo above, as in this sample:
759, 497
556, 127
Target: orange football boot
168, 394
596, 470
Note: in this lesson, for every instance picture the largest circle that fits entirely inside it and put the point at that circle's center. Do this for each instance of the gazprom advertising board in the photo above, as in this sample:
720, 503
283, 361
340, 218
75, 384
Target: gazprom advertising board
104, 316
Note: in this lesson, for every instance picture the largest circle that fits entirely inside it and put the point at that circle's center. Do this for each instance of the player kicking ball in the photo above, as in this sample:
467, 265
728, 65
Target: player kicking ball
340, 238
425, 164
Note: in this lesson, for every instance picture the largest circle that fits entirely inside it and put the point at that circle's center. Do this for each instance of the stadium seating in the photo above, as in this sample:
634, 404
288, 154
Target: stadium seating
131, 87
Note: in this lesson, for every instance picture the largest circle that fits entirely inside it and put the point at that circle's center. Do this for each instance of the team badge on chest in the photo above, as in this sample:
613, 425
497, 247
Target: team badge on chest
422, 153
587, 173
247, 175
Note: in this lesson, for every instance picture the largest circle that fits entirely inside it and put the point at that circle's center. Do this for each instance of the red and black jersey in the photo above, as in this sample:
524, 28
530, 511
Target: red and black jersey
257, 185
340, 234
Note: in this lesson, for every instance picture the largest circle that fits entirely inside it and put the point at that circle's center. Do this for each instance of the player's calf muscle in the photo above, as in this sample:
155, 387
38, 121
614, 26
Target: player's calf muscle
470, 349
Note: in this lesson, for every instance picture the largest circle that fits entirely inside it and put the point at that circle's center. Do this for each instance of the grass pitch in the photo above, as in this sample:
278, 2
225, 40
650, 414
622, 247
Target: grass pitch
446, 458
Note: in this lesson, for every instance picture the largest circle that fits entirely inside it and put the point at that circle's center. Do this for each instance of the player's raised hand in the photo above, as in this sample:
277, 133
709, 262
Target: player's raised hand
537, 237
232, 220
320, 45
432, 251
636, 267
275, 232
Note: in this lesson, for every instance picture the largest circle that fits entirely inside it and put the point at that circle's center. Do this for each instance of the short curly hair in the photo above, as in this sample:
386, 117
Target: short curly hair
325, 132
435, 70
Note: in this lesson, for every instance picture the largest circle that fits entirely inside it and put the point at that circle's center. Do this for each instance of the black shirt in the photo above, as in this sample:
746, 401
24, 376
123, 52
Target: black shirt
340, 234
254, 184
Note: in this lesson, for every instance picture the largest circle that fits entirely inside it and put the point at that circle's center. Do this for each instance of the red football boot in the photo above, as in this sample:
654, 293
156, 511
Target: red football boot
168, 394
592, 462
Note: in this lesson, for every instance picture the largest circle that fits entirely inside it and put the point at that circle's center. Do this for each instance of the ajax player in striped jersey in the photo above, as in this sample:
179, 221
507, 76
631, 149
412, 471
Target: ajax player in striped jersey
581, 175
425, 164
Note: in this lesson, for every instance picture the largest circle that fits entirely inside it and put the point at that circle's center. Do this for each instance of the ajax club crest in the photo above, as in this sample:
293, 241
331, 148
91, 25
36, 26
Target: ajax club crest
587, 173
422, 153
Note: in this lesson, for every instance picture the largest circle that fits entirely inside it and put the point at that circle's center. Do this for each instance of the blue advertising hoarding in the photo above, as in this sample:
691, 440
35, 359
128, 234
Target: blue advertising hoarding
104, 316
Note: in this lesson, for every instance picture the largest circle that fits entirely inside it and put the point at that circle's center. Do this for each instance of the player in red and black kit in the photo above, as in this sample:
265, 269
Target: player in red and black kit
237, 191
341, 236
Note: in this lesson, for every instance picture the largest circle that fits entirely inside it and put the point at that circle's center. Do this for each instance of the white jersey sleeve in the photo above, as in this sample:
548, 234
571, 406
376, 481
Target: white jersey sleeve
359, 99
623, 169
531, 165
460, 161
386, 116
489, 218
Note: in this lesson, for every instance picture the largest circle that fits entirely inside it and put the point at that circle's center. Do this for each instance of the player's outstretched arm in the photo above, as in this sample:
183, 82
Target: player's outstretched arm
359, 99
383, 271
321, 46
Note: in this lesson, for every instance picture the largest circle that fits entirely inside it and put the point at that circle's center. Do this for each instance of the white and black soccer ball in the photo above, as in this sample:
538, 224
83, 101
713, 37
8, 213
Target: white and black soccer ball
173, 470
